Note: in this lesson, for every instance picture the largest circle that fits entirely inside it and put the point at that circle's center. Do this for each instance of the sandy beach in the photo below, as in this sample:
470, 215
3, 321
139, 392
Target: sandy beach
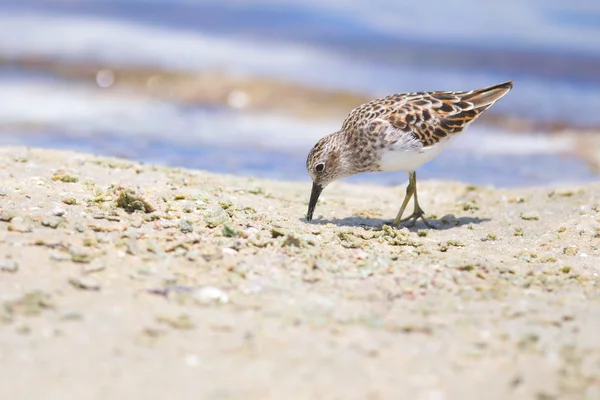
123, 280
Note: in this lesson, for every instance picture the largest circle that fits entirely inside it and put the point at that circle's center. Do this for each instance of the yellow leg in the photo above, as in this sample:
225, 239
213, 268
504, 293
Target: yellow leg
418, 212
410, 190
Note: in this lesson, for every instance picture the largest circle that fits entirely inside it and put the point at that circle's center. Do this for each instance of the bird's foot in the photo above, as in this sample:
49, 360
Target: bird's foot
412, 220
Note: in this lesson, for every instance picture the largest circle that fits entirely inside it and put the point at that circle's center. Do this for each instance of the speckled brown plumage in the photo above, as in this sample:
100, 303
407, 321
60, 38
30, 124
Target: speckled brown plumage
397, 132
429, 116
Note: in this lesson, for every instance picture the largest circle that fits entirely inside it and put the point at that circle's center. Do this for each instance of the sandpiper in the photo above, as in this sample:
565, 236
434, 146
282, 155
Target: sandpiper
400, 132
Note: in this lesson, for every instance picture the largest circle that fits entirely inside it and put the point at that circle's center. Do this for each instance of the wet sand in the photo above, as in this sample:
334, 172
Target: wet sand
123, 280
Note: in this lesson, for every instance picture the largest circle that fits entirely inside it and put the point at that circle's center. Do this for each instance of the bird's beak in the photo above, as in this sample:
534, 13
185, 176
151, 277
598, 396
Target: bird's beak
314, 196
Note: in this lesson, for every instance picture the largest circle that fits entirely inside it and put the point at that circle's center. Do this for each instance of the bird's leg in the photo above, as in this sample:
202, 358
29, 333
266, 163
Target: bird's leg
418, 211
410, 190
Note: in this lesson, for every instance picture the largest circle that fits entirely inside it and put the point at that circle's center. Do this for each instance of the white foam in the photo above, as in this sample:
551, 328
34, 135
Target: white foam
119, 42
88, 110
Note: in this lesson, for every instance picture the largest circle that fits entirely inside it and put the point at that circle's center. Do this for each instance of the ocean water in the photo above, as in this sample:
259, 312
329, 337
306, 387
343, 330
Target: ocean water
550, 49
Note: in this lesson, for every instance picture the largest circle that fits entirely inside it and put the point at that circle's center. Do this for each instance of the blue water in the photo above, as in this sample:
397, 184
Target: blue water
496, 170
551, 49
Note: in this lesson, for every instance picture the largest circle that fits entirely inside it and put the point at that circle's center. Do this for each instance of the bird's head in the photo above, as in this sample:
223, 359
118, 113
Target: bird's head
325, 163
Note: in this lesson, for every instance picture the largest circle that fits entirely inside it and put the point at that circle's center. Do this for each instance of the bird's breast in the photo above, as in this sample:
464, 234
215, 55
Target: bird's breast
409, 159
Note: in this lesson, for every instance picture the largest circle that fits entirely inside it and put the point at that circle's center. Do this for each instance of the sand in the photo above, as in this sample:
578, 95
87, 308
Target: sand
121, 280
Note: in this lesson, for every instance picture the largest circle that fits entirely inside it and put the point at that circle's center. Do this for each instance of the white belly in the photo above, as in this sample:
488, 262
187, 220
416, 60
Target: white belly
403, 159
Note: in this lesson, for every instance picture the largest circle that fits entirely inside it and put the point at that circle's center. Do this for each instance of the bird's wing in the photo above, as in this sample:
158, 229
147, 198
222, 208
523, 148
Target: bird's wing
432, 116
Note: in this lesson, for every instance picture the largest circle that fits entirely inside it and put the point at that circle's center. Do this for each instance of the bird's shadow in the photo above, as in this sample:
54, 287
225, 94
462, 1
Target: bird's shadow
443, 223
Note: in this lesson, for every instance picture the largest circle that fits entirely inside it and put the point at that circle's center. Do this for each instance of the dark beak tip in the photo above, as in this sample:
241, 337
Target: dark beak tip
314, 197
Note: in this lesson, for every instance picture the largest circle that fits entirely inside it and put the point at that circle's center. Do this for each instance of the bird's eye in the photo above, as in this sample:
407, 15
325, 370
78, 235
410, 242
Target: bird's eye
319, 167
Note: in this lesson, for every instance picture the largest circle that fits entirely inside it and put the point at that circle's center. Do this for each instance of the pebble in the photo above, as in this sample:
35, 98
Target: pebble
571, 250
450, 219
229, 251
79, 255
293, 241
52, 222
85, 283
8, 265
18, 224
6, 216
210, 294
185, 226
530, 216
216, 217
60, 256
93, 267
58, 212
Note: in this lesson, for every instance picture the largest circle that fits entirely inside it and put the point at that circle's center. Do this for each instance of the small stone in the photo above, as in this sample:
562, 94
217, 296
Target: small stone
18, 224
275, 233
571, 250
52, 222
6, 216
229, 251
8, 265
450, 219
60, 256
182, 322
93, 267
210, 294
292, 241
71, 201
530, 216
58, 212
216, 218
81, 256
131, 201
85, 283
489, 237
185, 226
229, 231
66, 178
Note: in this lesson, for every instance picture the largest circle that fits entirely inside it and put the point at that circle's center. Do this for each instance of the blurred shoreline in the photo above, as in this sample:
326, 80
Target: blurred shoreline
220, 88
255, 126
249, 88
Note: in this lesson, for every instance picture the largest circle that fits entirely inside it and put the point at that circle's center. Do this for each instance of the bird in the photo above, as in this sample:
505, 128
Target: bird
399, 132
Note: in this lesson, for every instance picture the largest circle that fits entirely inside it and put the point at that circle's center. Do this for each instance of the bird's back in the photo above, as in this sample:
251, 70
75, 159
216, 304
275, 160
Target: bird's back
427, 116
